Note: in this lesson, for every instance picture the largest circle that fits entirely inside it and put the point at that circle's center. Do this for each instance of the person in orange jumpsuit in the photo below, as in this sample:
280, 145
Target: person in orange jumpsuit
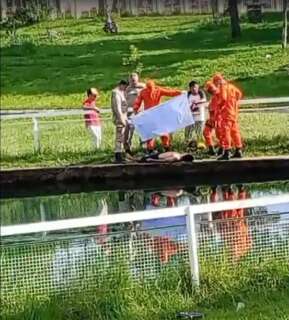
213, 123
229, 98
151, 96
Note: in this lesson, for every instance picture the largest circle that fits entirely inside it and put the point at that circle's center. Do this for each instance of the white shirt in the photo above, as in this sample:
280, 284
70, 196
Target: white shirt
200, 114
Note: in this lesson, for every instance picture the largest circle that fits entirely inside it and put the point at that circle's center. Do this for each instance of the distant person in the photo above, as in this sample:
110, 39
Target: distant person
230, 97
132, 92
197, 99
92, 116
119, 112
150, 97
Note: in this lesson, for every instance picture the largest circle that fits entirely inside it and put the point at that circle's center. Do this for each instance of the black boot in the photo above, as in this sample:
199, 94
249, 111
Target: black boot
211, 151
118, 157
225, 155
237, 154
220, 151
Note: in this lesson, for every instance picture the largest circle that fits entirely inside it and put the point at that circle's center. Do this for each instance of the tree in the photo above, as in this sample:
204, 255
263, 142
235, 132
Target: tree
285, 24
214, 6
235, 20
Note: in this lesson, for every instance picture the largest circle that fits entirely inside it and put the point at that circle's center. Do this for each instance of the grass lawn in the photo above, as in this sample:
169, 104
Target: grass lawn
39, 71
270, 305
66, 141
261, 293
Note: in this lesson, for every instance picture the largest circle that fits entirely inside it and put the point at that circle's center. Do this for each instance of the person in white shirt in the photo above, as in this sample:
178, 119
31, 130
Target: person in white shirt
197, 99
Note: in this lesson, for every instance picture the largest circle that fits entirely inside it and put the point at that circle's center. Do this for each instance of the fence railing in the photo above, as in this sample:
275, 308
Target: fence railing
81, 253
36, 116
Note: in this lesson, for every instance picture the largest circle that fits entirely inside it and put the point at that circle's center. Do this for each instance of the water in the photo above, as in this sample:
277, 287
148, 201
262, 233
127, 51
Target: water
77, 205
44, 263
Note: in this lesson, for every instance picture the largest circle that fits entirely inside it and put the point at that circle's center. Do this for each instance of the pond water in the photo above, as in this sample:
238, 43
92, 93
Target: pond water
77, 205
54, 262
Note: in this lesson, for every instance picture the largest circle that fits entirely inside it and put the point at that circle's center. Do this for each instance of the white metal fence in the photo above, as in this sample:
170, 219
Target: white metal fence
35, 117
57, 257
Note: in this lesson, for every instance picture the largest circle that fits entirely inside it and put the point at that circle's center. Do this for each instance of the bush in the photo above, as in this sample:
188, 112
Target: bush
133, 59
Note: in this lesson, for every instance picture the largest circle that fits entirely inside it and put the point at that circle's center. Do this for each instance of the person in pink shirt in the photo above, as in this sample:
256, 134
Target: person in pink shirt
92, 116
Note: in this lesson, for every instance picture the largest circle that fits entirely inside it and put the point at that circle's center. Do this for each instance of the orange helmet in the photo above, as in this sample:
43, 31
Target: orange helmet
218, 77
210, 87
150, 84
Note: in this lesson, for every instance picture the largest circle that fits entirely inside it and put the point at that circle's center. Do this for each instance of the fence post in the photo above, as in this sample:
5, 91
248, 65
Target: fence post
42, 217
36, 134
193, 246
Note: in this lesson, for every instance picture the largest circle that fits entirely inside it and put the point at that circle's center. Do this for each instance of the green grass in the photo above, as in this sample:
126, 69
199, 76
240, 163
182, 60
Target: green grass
262, 289
43, 72
264, 134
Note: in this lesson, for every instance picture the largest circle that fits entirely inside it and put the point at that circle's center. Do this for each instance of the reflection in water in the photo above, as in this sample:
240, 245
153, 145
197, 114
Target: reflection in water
144, 247
231, 224
26, 210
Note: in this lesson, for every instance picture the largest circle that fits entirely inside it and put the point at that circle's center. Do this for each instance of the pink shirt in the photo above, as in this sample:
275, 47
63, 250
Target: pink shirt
92, 118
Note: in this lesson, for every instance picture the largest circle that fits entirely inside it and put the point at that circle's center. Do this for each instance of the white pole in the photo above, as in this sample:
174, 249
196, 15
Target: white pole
193, 247
36, 134
42, 217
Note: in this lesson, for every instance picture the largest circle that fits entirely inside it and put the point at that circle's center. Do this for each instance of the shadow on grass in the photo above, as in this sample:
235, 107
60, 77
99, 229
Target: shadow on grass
67, 69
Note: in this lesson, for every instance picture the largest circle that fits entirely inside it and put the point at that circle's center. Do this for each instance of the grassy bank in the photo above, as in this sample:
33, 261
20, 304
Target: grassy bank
66, 141
50, 65
255, 293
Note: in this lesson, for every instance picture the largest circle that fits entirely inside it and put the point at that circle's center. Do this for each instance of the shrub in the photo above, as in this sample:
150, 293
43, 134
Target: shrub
133, 59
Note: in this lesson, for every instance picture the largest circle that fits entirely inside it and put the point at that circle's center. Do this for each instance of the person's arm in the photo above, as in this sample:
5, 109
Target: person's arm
138, 102
117, 108
239, 94
203, 97
223, 96
88, 107
166, 92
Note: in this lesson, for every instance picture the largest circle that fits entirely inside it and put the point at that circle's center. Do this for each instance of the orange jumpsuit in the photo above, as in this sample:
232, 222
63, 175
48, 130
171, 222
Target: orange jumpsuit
213, 122
233, 227
151, 97
229, 111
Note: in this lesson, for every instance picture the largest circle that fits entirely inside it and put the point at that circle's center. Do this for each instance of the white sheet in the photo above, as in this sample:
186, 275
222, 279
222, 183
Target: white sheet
168, 117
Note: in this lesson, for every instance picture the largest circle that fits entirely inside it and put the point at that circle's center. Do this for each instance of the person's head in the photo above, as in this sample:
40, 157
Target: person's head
150, 84
218, 79
187, 157
194, 87
134, 79
92, 93
122, 85
211, 88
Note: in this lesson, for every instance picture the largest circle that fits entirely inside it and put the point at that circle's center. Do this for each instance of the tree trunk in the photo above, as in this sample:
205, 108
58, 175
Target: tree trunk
235, 21
285, 24
214, 7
